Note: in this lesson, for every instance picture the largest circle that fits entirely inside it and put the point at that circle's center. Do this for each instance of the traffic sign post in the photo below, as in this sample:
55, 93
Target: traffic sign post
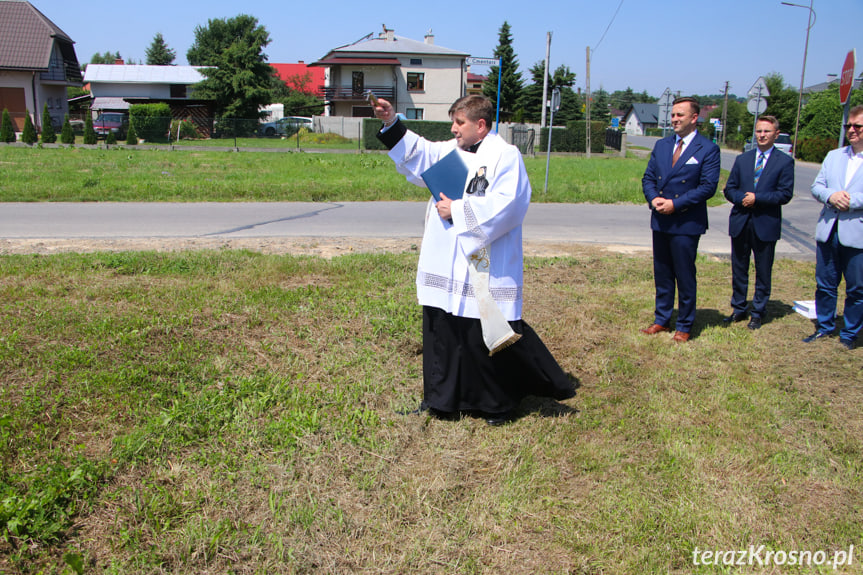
665, 103
757, 103
491, 62
846, 82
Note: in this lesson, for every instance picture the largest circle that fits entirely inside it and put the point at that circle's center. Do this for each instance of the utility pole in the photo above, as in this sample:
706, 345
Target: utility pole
725, 113
587, 103
545, 79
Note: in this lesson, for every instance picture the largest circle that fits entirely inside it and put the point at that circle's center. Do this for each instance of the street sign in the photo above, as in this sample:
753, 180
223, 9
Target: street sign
482, 61
847, 78
665, 108
756, 106
759, 88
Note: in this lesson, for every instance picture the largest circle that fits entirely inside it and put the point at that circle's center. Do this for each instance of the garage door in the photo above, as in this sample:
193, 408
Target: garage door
12, 99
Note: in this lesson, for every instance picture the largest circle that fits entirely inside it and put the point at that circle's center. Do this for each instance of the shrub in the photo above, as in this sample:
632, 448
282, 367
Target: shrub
152, 121
432, 131
186, 129
7, 131
67, 136
28, 135
49, 136
574, 138
89, 132
814, 149
132, 136
110, 138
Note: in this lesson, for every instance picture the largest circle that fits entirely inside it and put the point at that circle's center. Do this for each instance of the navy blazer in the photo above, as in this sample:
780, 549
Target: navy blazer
775, 189
689, 184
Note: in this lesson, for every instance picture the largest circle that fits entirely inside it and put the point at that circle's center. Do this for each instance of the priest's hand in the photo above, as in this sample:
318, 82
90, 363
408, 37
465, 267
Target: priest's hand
444, 207
384, 111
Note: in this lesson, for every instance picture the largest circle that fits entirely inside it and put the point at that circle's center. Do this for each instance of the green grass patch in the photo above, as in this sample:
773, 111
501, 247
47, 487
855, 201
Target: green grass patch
121, 175
228, 411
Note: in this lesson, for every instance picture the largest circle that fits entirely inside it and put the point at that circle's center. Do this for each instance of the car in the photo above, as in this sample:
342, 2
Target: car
783, 143
107, 122
286, 126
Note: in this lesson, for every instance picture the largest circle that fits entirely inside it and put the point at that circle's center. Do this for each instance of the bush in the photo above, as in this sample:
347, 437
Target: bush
186, 129
49, 136
89, 132
573, 138
432, 131
67, 136
152, 121
132, 136
110, 138
7, 131
28, 135
814, 149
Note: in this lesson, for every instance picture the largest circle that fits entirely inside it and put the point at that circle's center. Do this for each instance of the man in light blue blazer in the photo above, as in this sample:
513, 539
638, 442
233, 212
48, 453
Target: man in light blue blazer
681, 176
839, 236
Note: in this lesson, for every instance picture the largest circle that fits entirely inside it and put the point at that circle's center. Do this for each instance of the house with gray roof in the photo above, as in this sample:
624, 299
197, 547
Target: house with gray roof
115, 87
420, 79
639, 118
37, 64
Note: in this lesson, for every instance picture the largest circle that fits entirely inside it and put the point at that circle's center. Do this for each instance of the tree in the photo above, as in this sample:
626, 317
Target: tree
531, 96
158, 54
28, 134
599, 106
238, 79
511, 81
7, 131
89, 132
782, 102
67, 136
738, 123
298, 98
821, 117
131, 136
49, 136
106, 58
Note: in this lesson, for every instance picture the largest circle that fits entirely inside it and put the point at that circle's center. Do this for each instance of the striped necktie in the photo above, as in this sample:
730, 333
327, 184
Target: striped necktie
677, 151
759, 166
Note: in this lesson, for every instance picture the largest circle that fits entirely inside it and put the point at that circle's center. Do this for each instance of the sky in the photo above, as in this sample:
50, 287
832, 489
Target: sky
689, 46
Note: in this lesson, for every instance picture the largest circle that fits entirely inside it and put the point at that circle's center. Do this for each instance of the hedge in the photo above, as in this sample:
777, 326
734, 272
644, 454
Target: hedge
573, 137
151, 121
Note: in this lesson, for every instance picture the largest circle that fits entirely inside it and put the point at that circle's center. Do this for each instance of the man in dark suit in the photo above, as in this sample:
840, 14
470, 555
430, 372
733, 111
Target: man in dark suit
760, 183
681, 176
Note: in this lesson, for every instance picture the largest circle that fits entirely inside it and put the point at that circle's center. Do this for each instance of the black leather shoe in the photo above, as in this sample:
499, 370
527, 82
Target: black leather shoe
734, 318
754, 323
848, 343
421, 409
497, 419
816, 336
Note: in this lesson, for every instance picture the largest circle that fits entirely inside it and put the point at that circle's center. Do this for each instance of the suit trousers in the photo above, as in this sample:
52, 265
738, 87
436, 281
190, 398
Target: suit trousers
674, 266
742, 246
833, 261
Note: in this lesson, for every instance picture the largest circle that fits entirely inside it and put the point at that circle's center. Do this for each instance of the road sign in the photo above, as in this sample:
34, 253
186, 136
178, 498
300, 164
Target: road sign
759, 88
482, 61
665, 108
847, 78
756, 106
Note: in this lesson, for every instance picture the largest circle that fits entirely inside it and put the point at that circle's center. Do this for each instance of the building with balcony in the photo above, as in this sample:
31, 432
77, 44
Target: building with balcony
37, 64
420, 79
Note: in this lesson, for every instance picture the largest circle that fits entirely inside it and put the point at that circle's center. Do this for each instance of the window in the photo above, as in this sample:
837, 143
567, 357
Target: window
416, 82
414, 114
178, 90
416, 61
358, 83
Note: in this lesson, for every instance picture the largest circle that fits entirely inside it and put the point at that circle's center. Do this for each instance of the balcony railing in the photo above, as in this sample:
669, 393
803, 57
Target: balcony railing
348, 93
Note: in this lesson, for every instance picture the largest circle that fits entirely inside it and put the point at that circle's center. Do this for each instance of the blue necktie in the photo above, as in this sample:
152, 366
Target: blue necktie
759, 166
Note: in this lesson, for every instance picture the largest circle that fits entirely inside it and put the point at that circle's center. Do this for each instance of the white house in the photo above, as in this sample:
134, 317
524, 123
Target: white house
37, 64
420, 79
640, 117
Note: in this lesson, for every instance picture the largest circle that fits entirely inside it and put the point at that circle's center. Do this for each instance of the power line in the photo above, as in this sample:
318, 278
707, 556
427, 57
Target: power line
609, 26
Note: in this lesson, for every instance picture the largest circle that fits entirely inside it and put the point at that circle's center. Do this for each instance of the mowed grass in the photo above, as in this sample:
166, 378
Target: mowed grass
233, 412
77, 174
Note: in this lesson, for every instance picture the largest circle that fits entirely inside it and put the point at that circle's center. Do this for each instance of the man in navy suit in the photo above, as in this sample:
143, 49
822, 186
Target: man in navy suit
681, 176
760, 183
839, 236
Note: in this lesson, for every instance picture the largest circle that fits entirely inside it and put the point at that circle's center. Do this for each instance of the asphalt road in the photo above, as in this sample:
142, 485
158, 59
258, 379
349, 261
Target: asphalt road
619, 226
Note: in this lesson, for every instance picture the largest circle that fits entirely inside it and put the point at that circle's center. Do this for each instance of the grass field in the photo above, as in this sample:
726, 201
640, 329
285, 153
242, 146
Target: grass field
232, 412
33, 174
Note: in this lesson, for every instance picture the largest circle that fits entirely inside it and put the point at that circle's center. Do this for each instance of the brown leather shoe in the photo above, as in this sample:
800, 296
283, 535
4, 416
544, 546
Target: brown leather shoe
654, 329
680, 337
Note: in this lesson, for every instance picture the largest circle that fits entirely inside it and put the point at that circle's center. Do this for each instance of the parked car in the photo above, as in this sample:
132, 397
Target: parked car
116, 122
286, 126
783, 143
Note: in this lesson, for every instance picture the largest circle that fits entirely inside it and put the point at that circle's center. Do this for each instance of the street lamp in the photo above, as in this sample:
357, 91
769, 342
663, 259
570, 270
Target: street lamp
803, 73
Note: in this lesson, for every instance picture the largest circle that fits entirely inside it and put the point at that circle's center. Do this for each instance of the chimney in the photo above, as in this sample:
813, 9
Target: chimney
388, 34
119, 62
429, 37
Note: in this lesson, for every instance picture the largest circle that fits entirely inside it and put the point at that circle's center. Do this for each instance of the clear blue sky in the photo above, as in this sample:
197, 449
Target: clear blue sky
691, 46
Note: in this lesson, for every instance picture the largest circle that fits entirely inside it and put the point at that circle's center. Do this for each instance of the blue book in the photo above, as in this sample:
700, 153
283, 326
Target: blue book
447, 176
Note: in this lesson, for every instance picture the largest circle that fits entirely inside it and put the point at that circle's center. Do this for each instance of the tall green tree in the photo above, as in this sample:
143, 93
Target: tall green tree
7, 130
600, 102
49, 136
511, 81
238, 78
782, 102
67, 136
822, 115
28, 134
531, 95
158, 54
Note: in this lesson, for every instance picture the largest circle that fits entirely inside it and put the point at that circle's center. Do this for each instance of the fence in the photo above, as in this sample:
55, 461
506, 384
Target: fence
616, 139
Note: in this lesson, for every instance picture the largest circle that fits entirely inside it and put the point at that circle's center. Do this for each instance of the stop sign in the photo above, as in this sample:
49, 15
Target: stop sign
847, 78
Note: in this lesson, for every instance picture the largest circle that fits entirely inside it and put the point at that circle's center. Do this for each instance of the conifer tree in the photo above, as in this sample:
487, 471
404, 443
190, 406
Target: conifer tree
158, 54
7, 131
28, 135
110, 138
89, 132
49, 136
67, 136
131, 136
511, 82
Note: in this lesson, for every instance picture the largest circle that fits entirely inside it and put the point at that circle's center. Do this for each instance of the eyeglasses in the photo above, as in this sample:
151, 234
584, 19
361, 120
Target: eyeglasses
855, 126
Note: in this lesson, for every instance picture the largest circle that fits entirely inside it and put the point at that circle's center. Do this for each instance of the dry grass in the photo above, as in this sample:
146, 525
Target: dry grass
244, 407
